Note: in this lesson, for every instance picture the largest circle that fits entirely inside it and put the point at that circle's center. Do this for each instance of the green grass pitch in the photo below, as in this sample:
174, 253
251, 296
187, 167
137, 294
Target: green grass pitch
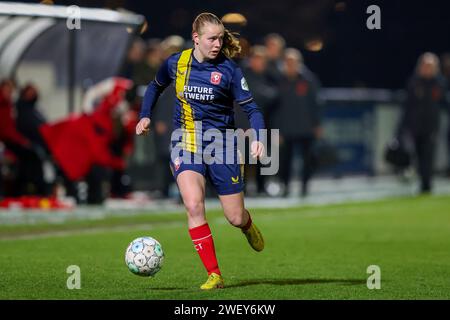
311, 253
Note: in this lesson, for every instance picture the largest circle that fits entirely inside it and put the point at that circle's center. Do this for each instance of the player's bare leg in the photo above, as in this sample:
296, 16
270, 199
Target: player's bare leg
238, 216
192, 189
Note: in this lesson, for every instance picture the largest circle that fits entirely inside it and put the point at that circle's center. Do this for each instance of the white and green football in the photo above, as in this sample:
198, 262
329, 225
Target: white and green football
144, 256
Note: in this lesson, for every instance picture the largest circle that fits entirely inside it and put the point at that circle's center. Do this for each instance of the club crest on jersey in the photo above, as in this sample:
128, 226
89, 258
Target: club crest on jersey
216, 77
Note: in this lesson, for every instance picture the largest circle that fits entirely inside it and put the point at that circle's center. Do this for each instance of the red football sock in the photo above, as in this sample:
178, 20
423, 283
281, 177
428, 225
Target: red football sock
204, 244
249, 222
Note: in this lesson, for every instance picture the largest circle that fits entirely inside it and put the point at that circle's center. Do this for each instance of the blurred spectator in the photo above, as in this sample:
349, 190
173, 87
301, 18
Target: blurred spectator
28, 121
135, 55
29, 118
256, 75
445, 62
298, 116
172, 44
426, 92
29, 177
123, 146
264, 94
7, 132
146, 70
275, 45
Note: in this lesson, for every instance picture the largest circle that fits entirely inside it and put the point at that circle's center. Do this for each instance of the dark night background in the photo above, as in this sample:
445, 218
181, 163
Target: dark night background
352, 55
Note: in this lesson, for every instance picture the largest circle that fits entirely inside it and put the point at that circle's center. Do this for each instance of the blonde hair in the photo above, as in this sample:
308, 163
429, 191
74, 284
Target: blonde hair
230, 46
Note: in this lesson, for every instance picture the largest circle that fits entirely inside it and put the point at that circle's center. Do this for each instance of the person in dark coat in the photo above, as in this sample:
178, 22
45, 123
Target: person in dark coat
275, 46
29, 118
298, 116
426, 91
265, 94
445, 62
145, 71
28, 178
28, 121
135, 55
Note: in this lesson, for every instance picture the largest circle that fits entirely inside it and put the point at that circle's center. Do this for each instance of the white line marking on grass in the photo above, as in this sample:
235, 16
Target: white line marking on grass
96, 230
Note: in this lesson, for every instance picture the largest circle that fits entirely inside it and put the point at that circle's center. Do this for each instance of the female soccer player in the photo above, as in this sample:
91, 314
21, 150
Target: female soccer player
207, 82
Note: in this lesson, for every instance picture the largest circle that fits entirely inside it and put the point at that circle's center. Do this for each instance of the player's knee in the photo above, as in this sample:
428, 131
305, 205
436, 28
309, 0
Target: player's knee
236, 217
195, 208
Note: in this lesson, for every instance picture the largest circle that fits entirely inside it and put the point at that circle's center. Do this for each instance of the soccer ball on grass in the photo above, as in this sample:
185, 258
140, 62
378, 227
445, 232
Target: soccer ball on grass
144, 256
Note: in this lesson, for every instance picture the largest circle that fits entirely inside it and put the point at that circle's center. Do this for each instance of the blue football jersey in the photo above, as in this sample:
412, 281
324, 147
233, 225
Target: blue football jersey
205, 92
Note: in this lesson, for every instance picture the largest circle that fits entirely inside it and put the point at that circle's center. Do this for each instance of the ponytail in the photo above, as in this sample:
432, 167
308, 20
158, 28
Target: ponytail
231, 46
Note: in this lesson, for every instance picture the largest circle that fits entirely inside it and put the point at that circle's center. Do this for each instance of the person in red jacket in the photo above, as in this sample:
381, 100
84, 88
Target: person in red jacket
82, 141
8, 131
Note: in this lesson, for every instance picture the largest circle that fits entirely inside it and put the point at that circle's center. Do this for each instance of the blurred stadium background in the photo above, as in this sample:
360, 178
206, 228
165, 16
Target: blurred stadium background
49, 183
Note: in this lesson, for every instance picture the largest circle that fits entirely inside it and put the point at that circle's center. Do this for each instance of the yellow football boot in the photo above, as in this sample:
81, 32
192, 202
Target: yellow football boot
254, 237
215, 281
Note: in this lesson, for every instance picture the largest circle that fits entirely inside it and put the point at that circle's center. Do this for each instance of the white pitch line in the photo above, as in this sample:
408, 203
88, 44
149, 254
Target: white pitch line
96, 230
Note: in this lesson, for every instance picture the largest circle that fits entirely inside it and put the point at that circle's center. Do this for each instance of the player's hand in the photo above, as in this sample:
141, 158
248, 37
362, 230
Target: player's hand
143, 126
257, 149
